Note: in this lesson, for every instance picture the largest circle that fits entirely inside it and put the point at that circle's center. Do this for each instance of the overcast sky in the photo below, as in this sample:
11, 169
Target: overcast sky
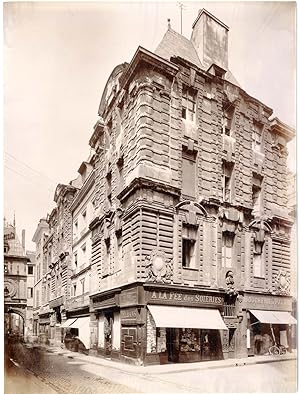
58, 57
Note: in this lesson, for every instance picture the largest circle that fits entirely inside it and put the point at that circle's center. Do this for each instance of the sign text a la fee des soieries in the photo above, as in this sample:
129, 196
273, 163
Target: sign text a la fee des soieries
183, 298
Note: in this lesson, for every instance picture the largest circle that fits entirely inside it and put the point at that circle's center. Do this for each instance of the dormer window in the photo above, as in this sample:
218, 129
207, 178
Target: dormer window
188, 104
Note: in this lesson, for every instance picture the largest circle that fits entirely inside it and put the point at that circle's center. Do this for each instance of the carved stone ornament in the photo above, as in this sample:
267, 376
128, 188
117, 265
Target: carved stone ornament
231, 291
282, 283
158, 267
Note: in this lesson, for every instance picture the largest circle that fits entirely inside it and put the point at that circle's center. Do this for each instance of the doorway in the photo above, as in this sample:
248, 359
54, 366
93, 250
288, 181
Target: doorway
172, 339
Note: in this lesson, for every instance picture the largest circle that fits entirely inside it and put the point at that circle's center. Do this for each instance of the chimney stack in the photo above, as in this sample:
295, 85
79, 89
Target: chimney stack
210, 38
23, 239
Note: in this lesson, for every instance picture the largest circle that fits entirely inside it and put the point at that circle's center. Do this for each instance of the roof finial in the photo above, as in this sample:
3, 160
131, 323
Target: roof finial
169, 23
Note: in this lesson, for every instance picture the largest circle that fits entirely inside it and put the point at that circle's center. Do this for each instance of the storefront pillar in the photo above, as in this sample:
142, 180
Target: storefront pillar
93, 334
241, 335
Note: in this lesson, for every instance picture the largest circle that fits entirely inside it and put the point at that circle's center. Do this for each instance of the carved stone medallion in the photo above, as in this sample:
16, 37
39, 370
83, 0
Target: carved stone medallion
158, 267
282, 283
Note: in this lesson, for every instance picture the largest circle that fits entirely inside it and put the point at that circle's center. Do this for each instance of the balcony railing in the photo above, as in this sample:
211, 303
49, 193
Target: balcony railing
229, 310
78, 302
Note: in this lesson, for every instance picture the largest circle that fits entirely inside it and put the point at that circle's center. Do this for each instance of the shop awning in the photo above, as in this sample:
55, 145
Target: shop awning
83, 325
273, 317
182, 317
67, 323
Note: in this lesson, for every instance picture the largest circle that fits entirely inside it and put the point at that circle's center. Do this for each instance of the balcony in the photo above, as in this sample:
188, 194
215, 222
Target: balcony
78, 302
81, 268
229, 310
44, 309
56, 301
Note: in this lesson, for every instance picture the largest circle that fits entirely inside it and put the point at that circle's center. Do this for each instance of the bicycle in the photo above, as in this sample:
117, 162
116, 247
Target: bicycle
276, 350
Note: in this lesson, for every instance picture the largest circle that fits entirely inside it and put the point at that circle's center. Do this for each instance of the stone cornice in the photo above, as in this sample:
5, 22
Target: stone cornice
83, 191
278, 127
143, 55
139, 183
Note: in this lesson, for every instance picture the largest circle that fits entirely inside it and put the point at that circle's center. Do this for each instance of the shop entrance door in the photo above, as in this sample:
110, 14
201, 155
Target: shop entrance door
231, 349
172, 345
108, 322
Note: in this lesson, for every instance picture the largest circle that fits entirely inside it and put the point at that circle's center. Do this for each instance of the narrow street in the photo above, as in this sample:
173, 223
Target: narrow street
77, 374
55, 373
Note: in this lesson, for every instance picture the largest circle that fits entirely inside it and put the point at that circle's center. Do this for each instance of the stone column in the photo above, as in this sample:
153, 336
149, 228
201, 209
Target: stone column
93, 334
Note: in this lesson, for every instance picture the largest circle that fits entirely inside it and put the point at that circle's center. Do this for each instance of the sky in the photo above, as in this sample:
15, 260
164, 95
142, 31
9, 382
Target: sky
58, 57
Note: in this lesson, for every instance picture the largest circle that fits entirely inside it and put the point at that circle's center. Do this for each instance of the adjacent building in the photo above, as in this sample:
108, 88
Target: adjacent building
78, 302
180, 216
17, 267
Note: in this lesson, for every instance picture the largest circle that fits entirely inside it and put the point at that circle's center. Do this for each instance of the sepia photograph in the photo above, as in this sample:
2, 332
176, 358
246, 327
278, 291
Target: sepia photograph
149, 197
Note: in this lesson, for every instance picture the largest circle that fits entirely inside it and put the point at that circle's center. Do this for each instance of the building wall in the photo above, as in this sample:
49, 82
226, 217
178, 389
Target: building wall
154, 137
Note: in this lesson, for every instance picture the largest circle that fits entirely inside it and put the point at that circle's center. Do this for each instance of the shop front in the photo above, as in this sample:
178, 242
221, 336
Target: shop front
76, 333
146, 324
105, 325
183, 326
269, 322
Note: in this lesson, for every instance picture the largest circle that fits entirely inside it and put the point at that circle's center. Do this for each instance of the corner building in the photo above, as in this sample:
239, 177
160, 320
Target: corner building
191, 236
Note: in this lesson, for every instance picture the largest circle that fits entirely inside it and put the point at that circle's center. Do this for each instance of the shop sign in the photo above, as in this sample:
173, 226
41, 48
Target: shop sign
180, 298
131, 315
267, 302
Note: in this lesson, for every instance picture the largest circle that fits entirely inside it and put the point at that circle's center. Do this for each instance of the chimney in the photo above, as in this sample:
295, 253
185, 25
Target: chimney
23, 239
210, 39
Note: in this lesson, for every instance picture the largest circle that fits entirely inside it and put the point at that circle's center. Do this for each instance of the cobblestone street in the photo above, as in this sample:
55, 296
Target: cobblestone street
67, 372
60, 374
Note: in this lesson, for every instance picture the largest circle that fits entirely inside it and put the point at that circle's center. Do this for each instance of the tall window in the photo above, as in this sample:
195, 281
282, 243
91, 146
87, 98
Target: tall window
75, 228
83, 248
119, 249
227, 249
75, 259
120, 165
228, 119
257, 132
29, 292
188, 253
108, 187
84, 219
227, 181
189, 236
82, 285
30, 270
74, 289
189, 179
258, 260
256, 193
188, 104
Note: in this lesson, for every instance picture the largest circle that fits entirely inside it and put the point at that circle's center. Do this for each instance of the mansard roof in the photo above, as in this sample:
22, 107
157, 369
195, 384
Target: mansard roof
175, 44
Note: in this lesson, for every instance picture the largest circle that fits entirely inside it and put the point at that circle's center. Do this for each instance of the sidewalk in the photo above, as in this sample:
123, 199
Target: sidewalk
166, 368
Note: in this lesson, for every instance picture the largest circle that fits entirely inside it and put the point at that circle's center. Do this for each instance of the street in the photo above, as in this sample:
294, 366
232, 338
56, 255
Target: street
79, 375
61, 375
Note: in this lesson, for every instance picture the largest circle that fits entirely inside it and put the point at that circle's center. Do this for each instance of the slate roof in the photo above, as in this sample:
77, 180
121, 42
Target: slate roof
14, 245
175, 44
